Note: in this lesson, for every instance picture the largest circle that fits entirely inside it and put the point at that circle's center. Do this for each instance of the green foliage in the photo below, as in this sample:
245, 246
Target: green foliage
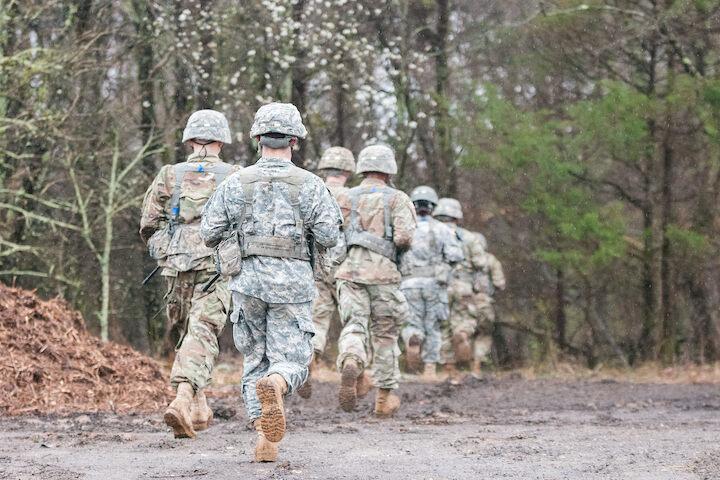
529, 151
613, 127
687, 243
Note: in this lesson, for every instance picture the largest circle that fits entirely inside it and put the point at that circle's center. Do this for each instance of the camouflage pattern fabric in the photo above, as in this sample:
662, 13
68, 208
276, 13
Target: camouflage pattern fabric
339, 158
371, 317
324, 310
272, 323
376, 158
273, 338
273, 279
325, 306
426, 267
187, 251
194, 318
467, 311
372, 307
205, 314
428, 312
362, 265
497, 275
207, 125
278, 118
470, 312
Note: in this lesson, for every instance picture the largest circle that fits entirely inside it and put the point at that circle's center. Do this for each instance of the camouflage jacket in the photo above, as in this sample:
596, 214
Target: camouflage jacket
491, 278
273, 279
186, 251
361, 264
435, 248
474, 259
333, 257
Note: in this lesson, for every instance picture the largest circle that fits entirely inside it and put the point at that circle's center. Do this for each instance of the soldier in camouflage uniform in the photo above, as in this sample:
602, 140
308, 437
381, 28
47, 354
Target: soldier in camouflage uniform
336, 166
465, 325
487, 282
379, 222
279, 210
170, 225
425, 270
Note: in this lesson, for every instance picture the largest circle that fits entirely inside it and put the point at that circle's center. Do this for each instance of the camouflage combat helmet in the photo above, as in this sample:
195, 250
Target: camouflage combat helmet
339, 158
423, 192
208, 125
377, 158
283, 118
448, 207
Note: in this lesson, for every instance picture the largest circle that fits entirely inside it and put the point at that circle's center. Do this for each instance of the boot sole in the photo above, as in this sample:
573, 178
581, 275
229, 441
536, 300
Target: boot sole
272, 418
348, 388
180, 428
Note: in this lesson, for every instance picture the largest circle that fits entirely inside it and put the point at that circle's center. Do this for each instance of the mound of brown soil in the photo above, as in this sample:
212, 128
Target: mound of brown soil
51, 364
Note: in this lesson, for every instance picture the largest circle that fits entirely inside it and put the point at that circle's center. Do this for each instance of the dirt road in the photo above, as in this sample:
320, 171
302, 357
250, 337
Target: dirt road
509, 428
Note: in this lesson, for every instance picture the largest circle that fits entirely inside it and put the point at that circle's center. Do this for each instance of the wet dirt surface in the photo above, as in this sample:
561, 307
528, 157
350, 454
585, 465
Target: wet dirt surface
509, 428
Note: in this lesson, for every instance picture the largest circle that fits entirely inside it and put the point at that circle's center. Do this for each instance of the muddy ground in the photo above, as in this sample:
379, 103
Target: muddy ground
491, 428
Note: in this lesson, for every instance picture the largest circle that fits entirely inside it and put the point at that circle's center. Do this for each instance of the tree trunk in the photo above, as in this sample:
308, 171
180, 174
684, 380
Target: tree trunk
298, 94
445, 171
145, 58
206, 97
669, 322
182, 95
668, 342
339, 113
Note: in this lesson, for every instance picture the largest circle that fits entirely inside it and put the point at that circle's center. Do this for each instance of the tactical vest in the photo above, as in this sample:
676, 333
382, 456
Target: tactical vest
465, 270
423, 271
356, 235
273, 245
220, 169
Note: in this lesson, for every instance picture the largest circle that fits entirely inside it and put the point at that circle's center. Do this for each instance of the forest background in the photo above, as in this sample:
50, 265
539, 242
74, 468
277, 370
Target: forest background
583, 139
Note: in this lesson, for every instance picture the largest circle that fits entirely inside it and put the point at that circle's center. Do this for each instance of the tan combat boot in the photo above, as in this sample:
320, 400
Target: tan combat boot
429, 374
200, 413
305, 391
462, 347
270, 391
177, 415
364, 385
386, 403
413, 362
347, 396
265, 450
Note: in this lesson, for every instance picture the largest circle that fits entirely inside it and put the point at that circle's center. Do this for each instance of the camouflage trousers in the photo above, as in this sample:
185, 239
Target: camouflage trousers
324, 310
371, 316
472, 313
273, 338
202, 316
428, 311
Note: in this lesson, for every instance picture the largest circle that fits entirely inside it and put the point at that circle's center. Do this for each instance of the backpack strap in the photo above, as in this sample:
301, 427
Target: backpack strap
273, 245
220, 169
356, 235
